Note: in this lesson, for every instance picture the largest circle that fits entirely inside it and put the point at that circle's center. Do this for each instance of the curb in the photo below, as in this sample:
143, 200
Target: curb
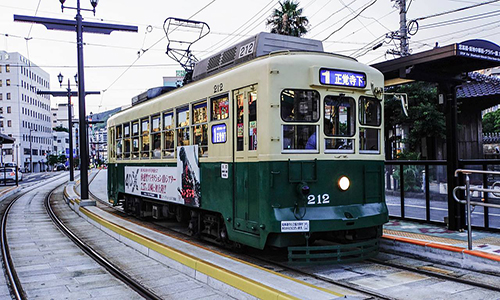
442, 253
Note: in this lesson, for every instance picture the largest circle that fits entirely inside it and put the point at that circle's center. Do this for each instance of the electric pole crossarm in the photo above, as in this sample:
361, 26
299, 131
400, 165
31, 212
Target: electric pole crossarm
70, 25
65, 94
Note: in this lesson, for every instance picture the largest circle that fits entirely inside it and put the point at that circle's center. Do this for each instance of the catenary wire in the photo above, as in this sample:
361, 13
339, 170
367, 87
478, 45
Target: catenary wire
348, 21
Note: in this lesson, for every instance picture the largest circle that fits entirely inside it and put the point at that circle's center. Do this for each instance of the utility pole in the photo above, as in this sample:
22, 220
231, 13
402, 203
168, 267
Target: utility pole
402, 34
68, 94
79, 26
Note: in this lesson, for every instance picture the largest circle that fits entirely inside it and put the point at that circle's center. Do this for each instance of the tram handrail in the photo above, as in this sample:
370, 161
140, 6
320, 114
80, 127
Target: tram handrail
467, 188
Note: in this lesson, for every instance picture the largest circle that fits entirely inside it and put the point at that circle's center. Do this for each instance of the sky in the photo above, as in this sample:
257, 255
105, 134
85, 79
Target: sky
123, 64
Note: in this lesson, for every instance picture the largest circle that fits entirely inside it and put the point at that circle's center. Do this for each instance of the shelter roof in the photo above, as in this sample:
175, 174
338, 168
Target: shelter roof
442, 64
5, 139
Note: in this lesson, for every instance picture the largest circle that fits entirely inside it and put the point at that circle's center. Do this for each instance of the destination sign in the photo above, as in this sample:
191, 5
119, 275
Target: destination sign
342, 78
219, 134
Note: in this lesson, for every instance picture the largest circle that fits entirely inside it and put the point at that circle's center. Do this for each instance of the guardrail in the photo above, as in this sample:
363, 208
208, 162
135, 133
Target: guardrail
468, 189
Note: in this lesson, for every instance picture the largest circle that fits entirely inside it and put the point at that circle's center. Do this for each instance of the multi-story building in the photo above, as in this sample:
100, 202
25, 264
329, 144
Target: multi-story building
61, 138
25, 115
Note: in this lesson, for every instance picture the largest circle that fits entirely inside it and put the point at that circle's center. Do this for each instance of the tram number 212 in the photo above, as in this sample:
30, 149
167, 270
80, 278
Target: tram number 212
318, 199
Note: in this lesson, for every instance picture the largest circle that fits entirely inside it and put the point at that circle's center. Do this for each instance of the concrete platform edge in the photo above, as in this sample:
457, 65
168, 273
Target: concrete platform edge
234, 284
440, 253
196, 267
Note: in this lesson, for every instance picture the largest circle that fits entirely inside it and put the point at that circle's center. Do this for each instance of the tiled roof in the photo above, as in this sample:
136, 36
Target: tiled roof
479, 85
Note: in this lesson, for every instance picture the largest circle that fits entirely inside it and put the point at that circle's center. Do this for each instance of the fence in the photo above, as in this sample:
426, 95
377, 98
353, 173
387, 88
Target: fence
418, 190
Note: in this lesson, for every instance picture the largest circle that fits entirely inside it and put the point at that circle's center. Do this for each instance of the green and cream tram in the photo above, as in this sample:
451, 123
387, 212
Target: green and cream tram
280, 142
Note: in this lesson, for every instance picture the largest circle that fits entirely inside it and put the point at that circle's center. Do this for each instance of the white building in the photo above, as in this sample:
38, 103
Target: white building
25, 115
61, 138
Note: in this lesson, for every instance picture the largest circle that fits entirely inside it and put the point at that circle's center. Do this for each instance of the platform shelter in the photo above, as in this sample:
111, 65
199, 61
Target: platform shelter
449, 67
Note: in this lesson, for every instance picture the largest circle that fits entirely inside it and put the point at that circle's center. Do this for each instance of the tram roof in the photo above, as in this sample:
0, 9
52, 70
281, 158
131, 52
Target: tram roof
441, 64
259, 45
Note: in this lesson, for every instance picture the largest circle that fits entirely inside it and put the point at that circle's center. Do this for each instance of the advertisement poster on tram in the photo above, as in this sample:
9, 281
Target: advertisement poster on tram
188, 171
153, 182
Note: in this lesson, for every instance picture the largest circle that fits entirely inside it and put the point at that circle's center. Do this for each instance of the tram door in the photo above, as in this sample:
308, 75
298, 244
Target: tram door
246, 200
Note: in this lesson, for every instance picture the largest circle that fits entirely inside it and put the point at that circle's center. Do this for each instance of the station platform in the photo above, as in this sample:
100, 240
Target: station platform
240, 279
428, 242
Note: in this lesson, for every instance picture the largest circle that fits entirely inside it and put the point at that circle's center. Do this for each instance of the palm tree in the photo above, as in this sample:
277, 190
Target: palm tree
288, 19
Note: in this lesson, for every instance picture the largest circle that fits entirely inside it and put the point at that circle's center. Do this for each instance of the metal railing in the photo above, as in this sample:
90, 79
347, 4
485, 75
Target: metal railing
468, 189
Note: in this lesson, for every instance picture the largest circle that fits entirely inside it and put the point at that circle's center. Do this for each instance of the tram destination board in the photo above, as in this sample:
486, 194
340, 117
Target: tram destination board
342, 78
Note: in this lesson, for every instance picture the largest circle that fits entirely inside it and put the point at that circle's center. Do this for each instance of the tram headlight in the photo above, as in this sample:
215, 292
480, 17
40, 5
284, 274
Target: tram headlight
344, 183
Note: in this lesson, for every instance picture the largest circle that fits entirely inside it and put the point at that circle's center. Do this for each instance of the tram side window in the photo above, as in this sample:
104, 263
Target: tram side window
369, 111
126, 140
135, 139
220, 108
300, 137
145, 138
200, 127
182, 118
339, 121
119, 136
252, 120
168, 134
156, 136
112, 148
300, 105
240, 108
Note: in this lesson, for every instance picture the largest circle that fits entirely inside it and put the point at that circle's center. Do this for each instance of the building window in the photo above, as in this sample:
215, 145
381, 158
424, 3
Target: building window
1, 83
9, 110
9, 123
1, 96
1, 124
7, 82
1, 110
8, 96
7, 68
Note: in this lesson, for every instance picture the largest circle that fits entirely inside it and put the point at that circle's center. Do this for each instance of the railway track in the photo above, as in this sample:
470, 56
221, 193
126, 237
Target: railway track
432, 273
15, 284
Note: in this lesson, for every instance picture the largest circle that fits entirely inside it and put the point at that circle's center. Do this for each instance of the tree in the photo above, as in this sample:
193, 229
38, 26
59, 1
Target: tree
491, 122
288, 20
424, 118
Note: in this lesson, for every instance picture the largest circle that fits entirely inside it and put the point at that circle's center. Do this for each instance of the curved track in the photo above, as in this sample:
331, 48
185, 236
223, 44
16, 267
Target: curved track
14, 282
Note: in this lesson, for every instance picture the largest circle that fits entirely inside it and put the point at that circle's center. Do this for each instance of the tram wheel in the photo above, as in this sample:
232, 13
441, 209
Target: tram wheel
181, 214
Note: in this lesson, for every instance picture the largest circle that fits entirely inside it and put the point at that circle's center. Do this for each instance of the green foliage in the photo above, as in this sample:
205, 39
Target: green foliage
424, 118
60, 128
52, 159
412, 173
288, 20
491, 122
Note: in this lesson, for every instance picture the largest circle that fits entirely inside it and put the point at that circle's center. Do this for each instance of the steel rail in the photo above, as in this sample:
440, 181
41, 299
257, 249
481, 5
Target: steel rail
15, 284
110, 267
437, 275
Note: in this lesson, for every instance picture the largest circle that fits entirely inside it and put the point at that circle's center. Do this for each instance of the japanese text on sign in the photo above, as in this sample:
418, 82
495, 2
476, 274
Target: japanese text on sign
342, 78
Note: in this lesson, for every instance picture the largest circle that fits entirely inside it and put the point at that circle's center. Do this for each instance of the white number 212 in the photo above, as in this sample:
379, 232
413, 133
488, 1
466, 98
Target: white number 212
321, 199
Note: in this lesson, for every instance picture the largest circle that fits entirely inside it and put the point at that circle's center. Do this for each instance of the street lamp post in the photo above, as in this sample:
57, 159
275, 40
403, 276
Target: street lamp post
80, 26
31, 150
70, 126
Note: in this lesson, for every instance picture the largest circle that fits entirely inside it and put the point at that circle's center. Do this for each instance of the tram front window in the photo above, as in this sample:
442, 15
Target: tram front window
339, 123
300, 105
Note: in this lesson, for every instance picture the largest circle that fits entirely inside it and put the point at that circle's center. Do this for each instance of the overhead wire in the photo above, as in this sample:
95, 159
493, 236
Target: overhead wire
348, 21
145, 50
328, 18
352, 12
233, 35
455, 10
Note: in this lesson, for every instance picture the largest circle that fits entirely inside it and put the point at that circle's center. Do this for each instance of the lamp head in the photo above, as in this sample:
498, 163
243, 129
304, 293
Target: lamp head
62, 1
60, 78
76, 78
93, 3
